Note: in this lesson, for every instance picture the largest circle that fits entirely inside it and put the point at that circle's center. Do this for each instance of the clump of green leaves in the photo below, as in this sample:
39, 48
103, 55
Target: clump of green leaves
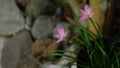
93, 53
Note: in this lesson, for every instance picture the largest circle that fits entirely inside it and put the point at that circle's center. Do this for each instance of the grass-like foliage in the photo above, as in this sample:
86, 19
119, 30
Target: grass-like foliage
93, 52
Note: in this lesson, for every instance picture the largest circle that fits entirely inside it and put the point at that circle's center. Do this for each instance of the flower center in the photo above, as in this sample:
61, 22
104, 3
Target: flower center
87, 14
62, 35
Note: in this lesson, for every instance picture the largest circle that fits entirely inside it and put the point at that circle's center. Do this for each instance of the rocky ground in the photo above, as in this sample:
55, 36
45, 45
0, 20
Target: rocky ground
26, 33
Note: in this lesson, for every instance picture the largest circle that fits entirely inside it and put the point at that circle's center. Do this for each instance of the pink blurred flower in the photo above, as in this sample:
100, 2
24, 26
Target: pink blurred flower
61, 34
86, 12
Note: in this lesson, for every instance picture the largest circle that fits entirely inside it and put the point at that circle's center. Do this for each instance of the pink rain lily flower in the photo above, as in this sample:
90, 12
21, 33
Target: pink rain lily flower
61, 34
86, 12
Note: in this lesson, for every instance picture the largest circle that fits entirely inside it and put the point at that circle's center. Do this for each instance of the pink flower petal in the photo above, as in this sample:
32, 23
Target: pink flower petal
86, 13
91, 15
59, 40
60, 30
82, 12
56, 36
83, 17
61, 34
86, 7
89, 11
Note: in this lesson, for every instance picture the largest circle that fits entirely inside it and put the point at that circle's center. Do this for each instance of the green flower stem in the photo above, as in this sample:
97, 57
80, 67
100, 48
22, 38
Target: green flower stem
91, 59
100, 46
118, 63
94, 25
98, 31
79, 40
85, 33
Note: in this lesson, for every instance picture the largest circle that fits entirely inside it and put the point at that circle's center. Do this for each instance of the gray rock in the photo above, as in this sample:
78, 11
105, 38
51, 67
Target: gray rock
23, 3
29, 62
11, 19
36, 7
17, 50
2, 40
43, 27
64, 24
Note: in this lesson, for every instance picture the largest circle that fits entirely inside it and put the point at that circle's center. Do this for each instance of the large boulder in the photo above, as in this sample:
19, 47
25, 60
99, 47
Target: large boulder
2, 40
17, 52
23, 3
36, 7
11, 19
